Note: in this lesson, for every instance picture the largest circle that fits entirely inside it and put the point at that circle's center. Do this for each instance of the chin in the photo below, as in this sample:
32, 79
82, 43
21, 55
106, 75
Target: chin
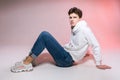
72, 25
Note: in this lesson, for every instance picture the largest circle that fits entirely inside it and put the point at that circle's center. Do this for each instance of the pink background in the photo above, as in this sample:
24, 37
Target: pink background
22, 21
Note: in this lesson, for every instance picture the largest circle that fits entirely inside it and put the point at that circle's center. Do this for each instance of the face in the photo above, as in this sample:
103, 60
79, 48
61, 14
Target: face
74, 19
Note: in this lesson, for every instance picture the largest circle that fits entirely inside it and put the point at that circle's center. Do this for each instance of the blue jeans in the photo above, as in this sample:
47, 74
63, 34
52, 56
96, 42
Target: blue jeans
60, 56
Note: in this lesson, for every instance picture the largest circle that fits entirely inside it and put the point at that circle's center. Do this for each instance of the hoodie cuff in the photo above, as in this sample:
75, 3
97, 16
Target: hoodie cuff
98, 62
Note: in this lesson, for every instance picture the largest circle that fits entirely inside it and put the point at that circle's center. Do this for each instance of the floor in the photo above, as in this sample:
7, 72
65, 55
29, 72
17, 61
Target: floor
48, 71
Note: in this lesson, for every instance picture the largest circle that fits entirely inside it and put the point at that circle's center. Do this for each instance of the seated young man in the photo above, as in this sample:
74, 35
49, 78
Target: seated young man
81, 39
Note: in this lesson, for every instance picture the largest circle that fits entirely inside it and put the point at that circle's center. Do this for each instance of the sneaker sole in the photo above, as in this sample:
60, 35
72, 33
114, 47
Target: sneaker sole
21, 71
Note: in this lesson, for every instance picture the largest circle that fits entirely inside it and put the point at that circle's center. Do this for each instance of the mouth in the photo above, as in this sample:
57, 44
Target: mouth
72, 23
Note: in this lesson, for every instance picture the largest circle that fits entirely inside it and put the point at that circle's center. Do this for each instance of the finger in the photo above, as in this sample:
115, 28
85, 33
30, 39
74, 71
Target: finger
107, 66
104, 67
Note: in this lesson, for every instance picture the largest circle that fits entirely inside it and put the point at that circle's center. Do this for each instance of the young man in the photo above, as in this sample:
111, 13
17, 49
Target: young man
71, 53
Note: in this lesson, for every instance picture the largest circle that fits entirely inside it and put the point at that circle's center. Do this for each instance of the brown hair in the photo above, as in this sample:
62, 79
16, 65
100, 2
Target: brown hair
76, 11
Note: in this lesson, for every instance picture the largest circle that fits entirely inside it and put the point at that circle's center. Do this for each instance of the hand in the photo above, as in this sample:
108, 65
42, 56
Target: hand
103, 67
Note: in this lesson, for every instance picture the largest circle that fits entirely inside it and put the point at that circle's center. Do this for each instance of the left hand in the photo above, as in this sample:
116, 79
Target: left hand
103, 67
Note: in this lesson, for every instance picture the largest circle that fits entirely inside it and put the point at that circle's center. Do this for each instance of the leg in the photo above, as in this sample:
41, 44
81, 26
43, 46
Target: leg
46, 40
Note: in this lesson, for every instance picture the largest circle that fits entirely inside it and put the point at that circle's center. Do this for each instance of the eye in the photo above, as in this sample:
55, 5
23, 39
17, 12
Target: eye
70, 17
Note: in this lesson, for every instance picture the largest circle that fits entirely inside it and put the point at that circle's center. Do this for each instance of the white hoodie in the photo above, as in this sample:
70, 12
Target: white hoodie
81, 38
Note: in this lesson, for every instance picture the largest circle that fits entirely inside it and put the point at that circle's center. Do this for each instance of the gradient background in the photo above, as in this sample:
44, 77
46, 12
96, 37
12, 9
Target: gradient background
21, 21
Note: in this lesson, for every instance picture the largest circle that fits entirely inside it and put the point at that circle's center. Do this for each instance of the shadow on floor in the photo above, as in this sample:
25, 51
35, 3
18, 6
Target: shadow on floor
47, 58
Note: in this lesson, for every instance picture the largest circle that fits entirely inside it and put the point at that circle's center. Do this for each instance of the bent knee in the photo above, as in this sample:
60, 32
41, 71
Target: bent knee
44, 33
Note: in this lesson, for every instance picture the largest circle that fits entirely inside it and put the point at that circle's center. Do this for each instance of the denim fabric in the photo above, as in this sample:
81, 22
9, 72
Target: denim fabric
46, 40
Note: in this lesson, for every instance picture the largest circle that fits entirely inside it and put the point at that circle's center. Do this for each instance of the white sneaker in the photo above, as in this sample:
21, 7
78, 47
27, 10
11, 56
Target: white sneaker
21, 67
18, 63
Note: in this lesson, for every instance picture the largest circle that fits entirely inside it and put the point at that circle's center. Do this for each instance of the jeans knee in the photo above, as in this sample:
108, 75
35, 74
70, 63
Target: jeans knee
44, 33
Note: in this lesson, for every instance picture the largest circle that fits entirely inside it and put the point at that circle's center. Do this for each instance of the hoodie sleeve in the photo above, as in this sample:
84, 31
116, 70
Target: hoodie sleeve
92, 41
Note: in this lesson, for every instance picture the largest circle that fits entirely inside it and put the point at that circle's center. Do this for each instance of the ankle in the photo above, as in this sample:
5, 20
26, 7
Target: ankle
28, 60
24, 62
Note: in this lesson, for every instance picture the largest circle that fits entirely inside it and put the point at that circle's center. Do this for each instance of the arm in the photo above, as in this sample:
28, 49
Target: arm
96, 49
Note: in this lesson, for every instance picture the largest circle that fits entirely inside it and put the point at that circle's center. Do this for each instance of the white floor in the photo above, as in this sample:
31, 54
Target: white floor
46, 71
